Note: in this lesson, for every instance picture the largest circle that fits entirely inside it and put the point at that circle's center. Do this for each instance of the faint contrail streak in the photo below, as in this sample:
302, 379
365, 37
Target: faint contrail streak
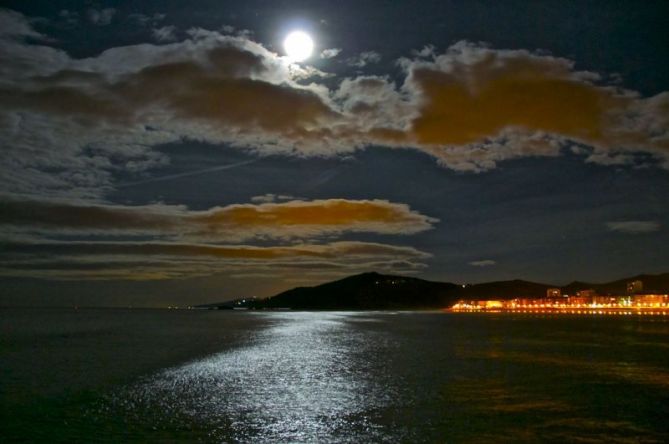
186, 174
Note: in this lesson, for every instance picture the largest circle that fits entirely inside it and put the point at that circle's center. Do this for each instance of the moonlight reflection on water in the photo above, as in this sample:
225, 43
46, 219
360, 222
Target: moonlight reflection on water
308, 377
418, 377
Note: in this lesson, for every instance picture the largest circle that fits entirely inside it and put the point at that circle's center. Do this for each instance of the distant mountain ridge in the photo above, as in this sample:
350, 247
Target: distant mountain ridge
374, 291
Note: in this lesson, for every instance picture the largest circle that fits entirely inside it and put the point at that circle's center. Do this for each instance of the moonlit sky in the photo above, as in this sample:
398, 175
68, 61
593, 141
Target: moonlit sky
169, 153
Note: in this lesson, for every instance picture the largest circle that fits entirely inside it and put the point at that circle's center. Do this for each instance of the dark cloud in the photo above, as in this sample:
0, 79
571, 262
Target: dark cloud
144, 19
333, 250
71, 18
364, 58
165, 33
151, 260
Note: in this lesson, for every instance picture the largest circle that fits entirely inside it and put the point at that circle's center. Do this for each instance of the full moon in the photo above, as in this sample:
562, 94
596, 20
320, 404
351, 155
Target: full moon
298, 46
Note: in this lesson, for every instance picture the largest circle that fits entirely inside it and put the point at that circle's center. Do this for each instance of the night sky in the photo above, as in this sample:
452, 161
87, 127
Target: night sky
172, 153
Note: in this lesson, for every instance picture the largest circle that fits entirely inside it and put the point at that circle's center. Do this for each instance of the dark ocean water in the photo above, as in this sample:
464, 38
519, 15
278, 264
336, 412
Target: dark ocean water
205, 376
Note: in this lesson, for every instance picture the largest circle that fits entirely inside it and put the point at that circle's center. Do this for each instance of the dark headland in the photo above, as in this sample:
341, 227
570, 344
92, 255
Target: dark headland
374, 291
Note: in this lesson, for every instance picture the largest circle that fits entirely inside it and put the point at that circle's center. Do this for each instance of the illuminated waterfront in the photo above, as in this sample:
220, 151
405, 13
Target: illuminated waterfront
585, 303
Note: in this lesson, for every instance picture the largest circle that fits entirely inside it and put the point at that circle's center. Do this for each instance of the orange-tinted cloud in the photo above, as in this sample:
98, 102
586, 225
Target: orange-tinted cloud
472, 107
460, 108
178, 243
292, 219
332, 215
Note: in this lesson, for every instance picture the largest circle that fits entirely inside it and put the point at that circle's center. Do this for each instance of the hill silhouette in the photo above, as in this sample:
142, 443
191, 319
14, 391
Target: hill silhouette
374, 291
368, 291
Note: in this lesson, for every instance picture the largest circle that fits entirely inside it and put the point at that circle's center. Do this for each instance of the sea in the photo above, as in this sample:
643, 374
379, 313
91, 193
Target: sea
149, 375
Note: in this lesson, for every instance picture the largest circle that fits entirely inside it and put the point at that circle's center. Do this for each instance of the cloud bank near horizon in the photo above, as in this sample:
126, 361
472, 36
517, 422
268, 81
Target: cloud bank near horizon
166, 241
129, 260
288, 220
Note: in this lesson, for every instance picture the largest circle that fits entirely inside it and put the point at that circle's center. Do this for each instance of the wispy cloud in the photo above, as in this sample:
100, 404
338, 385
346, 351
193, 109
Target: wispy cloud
271, 197
364, 58
634, 226
165, 33
483, 263
330, 53
70, 18
15, 25
185, 174
144, 19
101, 17
156, 260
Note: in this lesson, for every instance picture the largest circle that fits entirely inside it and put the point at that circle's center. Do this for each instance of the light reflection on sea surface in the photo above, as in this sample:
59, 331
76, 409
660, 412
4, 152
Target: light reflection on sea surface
76, 376
308, 377
375, 377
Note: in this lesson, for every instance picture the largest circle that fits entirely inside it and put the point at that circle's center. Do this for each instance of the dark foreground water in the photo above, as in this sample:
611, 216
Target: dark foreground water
203, 376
